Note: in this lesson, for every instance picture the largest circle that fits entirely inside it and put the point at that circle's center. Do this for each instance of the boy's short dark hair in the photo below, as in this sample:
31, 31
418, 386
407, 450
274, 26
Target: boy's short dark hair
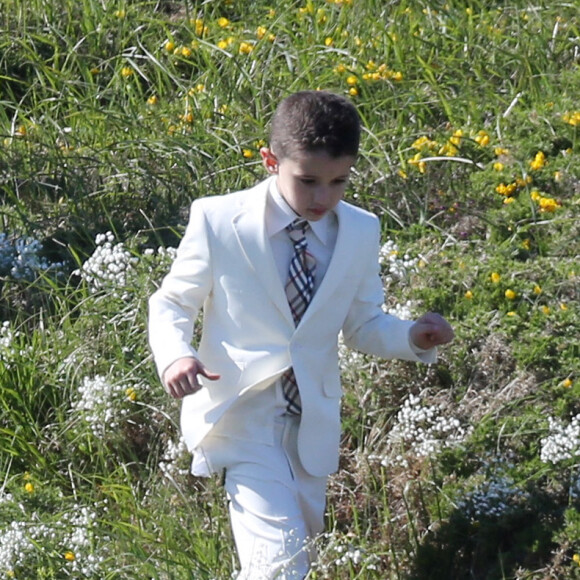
315, 121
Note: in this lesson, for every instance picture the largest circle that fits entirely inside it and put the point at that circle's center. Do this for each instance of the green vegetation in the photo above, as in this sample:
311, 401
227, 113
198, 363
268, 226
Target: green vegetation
115, 115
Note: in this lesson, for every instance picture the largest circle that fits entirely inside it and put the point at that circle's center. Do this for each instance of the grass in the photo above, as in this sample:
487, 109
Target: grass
114, 116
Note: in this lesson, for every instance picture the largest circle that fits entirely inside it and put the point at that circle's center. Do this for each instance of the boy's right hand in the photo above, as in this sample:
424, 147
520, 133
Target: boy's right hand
180, 378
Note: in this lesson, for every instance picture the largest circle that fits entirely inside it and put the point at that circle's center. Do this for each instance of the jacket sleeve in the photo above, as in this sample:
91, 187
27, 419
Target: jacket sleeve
174, 307
368, 328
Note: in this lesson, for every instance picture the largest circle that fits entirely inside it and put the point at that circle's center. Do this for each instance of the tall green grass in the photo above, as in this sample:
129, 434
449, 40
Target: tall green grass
115, 115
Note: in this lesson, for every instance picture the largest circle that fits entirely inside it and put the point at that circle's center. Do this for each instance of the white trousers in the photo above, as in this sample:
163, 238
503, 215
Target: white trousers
276, 508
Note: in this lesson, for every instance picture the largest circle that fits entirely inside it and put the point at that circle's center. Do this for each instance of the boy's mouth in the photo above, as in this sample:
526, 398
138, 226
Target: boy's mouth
318, 211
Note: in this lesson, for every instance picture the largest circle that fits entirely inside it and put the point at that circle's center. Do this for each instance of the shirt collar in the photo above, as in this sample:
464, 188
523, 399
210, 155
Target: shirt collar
280, 215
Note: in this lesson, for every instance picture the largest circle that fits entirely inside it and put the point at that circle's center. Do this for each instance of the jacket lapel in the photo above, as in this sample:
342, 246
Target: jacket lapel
250, 228
343, 249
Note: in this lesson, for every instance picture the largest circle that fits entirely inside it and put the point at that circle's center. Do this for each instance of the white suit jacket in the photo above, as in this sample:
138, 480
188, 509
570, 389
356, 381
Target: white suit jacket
225, 267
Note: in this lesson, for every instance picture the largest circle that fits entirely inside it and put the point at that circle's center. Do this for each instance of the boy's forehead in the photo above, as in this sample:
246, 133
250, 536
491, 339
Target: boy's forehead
315, 161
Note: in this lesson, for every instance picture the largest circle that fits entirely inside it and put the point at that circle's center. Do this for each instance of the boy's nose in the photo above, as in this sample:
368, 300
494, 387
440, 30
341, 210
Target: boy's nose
322, 195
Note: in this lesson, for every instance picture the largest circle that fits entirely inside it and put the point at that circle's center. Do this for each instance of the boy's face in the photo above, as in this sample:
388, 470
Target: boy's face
312, 183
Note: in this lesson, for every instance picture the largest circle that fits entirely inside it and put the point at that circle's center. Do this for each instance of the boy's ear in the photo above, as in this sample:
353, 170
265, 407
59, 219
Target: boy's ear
269, 160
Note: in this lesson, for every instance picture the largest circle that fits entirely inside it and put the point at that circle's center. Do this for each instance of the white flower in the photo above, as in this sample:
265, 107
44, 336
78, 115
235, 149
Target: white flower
563, 442
492, 499
424, 429
395, 266
99, 404
108, 266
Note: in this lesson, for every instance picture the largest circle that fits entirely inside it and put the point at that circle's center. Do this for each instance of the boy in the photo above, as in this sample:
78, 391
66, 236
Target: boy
279, 271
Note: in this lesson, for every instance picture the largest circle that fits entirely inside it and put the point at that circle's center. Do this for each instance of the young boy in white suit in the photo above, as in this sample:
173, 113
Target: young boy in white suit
261, 393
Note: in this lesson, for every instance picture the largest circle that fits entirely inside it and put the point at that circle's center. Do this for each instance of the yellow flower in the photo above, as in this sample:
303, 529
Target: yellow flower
568, 383
499, 151
537, 289
261, 31
416, 160
187, 118
455, 139
576, 559
423, 143
246, 48
131, 394
482, 138
152, 100
448, 149
539, 161
506, 190
526, 244
510, 294
495, 277
29, 488
223, 22
402, 174
185, 51
170, 46
512, 313
563, 306
497, 166
548, 204
120, 14
200, 27
69, 556
328, 41
340, 69
247, 153
469, 295
126, 72
572, 118
546, 310
352, 80
509, 200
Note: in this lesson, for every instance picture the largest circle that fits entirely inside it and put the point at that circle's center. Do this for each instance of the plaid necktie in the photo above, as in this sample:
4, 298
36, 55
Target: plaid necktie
299, 290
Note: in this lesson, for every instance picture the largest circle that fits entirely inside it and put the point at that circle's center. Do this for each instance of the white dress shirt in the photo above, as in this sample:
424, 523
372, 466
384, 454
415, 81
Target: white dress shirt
320, 237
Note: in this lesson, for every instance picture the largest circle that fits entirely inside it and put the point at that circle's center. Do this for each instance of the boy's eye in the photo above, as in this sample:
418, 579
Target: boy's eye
307, 180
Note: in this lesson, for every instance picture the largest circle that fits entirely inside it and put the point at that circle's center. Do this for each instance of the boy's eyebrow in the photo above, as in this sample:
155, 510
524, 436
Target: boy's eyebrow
309, 176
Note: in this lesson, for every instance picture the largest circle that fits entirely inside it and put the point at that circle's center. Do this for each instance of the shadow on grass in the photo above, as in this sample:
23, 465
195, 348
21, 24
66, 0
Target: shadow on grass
489, 548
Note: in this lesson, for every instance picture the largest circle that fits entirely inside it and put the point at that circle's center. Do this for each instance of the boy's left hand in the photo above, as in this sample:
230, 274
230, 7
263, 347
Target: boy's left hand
430, 330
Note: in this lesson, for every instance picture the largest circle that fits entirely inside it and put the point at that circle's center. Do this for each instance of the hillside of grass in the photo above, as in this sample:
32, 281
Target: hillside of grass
116, 114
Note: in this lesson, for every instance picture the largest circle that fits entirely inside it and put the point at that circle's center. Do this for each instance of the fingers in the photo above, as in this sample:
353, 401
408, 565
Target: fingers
181, 378
207, 374
431, 330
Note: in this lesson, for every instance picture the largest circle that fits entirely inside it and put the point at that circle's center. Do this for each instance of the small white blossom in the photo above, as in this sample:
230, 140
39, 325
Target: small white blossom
174, 453
20, 258
99, 404
424, 429
396, 267
563, 442
493, 499
109, 265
